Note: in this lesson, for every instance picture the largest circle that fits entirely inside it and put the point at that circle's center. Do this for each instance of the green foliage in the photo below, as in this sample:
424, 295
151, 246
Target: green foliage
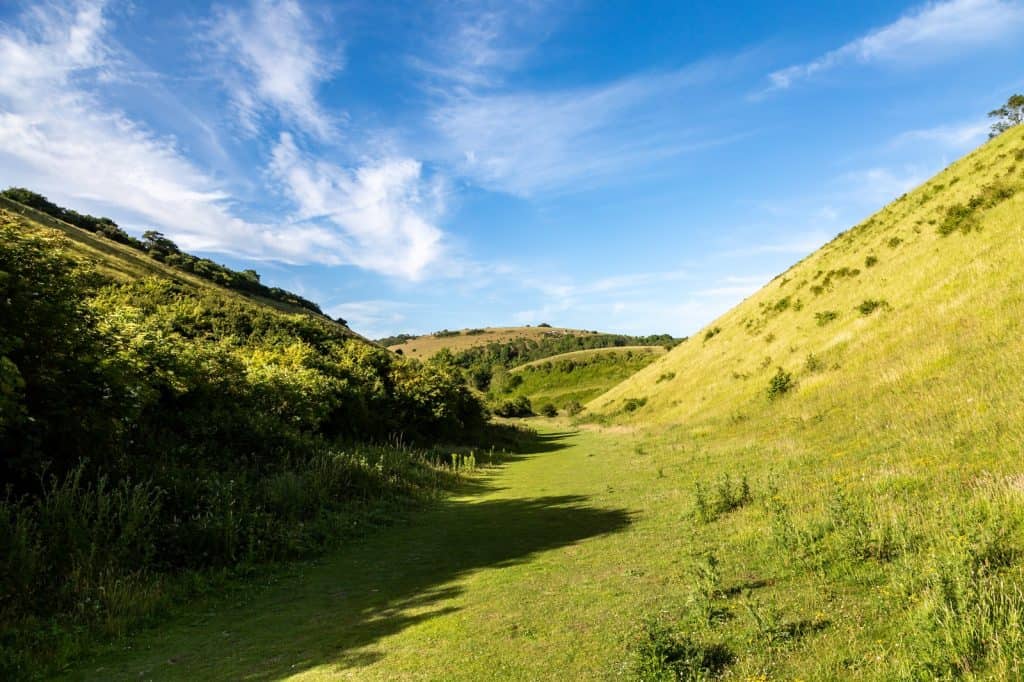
515, 352
548, 410
633, 404
825, 316
721, 498
965, 217
813, 363
149, 427
870, 305
514, 407
666, 376
394, 340
445, 333
660, 654
871, 261
894, 242
711, 333
573, 408
1008, 115
780, 384
162, 249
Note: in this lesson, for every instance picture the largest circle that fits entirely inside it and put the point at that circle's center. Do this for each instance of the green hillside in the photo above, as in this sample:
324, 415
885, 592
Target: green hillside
571, 379
163, 434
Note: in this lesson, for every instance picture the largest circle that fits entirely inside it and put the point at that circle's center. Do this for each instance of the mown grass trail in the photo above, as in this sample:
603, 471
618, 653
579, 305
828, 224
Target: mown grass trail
466, 590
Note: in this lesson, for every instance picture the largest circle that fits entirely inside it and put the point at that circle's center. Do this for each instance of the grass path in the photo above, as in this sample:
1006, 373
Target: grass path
466, 590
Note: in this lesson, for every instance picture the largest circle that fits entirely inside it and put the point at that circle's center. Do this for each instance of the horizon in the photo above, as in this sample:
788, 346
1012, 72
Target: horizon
417, 168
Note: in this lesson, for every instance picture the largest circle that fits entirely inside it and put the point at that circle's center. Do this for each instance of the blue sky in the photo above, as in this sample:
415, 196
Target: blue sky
634, 167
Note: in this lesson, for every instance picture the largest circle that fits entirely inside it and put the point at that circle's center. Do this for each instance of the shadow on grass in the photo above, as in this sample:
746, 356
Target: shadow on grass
341, 607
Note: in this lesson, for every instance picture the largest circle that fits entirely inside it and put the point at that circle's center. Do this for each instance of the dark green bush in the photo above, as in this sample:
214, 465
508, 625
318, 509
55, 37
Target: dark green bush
516, 407
825, 316
633, 404
714, 331
548, 410
660, 654
573, 408
666, 376
871, 261
870, 305
780, 384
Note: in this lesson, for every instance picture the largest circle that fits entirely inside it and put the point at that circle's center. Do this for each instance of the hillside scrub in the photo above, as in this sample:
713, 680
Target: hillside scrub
160, 248
150, 428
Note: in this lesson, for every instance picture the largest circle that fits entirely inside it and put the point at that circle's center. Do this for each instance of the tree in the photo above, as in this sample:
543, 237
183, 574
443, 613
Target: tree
1008, 115
157, 244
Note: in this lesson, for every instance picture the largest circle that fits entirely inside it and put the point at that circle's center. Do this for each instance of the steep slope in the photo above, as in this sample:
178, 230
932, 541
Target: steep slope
905, 329
124, 263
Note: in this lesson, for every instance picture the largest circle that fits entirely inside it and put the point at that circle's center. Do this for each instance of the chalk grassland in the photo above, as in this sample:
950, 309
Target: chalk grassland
580, 375
425, 346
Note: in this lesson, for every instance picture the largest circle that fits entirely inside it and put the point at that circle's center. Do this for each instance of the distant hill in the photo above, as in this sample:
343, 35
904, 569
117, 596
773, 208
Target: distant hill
571, 379
427, 345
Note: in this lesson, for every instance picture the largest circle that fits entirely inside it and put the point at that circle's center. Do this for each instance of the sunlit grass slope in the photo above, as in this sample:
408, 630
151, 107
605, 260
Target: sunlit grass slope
580, 375
894, 330
121, 262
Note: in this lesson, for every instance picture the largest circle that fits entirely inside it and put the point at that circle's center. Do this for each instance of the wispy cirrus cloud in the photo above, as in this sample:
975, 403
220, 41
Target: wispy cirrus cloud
382, 212
527, 142
58, 134
932, 32
273, 64
956, 136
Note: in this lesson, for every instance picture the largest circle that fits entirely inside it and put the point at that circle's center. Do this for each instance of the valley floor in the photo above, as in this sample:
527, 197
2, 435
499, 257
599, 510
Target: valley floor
546, 569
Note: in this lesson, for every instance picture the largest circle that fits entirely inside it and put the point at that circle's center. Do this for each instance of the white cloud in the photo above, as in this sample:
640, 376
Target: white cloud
527, 143
879, 186
57, 136
932, 32
956, 136
382, 214
279, 65
797, 244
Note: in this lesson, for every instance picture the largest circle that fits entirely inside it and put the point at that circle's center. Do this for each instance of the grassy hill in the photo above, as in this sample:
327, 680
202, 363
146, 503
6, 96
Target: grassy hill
123, 263
578, 376
871, 400
425, 346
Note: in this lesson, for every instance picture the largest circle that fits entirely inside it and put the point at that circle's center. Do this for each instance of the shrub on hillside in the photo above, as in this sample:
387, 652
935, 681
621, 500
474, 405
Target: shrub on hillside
780, 384
711, 333
549, 410
870, 305
633, 404
515, 407
825, 316
573, 408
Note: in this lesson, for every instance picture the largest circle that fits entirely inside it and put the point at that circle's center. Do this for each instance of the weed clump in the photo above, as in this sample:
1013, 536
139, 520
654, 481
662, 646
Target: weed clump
780, 384
667, 376
548, 410
573, 408
723, 497
660, 654
871, 261
870, 305
825, 316
711, 333
633, 404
